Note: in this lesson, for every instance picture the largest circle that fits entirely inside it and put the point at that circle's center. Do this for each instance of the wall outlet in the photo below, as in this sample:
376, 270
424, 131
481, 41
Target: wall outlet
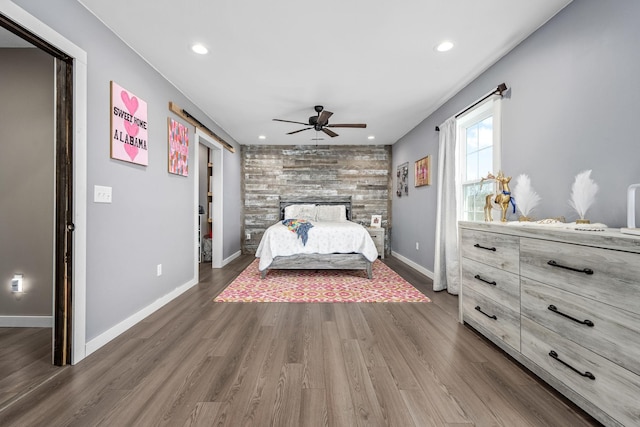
417, 246
247, 236
159, 270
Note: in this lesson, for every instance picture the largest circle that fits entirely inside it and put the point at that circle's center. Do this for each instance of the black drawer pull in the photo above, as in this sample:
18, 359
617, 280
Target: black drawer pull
489, 316
579, 270
477, 276
477, 245
582, 322
587, 374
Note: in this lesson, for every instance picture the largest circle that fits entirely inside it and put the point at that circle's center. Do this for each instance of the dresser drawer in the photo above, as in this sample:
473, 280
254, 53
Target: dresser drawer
500, 321
499, 285
614, 334
614, 390
609, 276
497, 250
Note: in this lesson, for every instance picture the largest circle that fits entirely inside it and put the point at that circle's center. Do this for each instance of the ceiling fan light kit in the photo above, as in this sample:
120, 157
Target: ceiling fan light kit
320, 123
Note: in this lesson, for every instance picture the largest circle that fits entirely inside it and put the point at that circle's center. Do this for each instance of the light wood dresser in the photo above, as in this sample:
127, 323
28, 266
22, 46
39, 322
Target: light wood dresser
563, 303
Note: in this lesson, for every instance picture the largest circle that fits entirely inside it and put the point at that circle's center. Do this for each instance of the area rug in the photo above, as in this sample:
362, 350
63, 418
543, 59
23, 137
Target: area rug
320, 286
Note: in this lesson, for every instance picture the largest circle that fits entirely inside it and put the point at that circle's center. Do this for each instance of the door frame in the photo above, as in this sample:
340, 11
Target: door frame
70, 294
217, 155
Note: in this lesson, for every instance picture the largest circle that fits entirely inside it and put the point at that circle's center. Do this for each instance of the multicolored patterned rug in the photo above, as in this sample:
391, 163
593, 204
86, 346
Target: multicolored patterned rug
320, 286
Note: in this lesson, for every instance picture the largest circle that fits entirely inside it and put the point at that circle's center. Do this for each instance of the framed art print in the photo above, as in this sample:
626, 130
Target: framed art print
423, 171
403, 180
178, 148
128, 126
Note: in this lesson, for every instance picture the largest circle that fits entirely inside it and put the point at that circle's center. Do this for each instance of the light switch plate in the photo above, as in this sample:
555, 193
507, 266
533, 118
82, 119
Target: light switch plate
101, 194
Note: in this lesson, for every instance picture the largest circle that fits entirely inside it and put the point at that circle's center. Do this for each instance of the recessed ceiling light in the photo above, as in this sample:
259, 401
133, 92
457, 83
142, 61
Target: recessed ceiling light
199, 49
444, 46
371, 137
262, 137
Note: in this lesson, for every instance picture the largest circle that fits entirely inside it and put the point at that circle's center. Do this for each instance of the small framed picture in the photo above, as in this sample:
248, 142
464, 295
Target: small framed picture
178, 148
376, 221
423, 172
403, 179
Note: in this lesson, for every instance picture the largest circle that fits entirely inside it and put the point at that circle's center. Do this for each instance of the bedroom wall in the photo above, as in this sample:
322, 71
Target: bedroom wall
572, 106
269, 172
152, 218
26, 180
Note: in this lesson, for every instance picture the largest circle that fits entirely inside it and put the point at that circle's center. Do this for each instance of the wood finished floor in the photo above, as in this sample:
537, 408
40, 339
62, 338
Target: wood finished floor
25, 361
199, 363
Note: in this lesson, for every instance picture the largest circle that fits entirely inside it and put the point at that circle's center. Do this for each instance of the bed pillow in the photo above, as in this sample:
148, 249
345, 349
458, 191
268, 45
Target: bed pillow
331, 213
307, 212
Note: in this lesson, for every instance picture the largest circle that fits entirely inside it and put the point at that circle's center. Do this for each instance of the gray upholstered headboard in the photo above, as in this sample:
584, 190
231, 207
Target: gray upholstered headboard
327, 200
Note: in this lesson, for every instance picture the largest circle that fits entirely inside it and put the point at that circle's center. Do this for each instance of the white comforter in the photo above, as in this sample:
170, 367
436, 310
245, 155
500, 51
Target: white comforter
324, 238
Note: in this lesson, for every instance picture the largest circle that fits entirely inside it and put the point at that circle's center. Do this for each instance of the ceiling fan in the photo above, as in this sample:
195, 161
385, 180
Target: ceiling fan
320, 122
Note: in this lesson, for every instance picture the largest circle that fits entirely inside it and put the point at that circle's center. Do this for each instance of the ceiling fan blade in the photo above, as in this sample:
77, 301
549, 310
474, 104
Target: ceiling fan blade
331, 133
347, 125
296, 131
323, 117
289, 121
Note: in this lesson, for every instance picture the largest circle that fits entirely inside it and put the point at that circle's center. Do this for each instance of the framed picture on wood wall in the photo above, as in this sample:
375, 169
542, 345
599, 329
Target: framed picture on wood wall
423, 172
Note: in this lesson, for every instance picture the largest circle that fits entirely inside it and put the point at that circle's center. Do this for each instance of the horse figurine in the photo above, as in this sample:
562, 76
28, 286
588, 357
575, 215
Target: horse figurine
502, 197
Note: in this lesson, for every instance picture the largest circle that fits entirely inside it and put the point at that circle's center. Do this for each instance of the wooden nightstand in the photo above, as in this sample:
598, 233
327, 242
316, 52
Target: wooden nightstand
377, 234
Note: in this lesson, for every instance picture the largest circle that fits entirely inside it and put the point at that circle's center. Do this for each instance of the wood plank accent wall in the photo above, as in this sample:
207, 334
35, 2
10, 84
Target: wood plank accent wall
272, 171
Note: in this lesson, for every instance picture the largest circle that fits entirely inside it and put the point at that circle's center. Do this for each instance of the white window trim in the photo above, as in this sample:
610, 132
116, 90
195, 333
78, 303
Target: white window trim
490, 107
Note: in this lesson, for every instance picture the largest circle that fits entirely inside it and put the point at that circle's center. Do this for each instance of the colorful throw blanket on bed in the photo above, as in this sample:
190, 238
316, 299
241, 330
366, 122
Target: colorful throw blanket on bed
299, 226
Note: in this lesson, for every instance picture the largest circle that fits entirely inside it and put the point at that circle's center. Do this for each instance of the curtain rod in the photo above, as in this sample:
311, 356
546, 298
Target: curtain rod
498, 91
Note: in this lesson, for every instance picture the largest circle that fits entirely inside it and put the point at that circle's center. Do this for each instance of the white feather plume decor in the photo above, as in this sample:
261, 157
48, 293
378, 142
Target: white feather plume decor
526, 198
583, 192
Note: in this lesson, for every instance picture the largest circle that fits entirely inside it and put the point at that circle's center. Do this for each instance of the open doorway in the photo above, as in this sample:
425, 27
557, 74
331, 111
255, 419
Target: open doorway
40, 92
210, 198
37, 229
67, 139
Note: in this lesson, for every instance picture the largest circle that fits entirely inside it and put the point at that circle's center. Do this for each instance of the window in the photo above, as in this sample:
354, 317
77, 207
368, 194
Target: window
478, 154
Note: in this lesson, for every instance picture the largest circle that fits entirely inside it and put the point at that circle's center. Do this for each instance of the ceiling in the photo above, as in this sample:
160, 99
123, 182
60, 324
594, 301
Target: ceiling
367, 61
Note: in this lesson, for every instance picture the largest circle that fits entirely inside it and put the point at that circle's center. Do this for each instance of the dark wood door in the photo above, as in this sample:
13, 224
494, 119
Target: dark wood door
64, 213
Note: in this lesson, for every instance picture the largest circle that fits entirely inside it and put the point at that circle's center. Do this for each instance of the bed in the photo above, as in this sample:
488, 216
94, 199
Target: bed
334, 241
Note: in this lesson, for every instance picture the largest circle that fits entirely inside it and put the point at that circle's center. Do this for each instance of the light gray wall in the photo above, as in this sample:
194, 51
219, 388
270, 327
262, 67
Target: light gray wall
26, 180
572, 106
151, 219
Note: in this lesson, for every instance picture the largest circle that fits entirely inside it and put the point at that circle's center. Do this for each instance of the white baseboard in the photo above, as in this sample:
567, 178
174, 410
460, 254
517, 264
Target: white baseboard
412, 264
231, 258
26, 322
132, 320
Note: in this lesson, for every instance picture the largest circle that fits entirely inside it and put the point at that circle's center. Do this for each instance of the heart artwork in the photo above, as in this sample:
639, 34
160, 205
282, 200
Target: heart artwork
130, 103
131, 128
128, 126
132, 151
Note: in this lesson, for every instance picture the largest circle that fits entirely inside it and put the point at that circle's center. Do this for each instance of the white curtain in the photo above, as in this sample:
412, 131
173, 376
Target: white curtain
447, 271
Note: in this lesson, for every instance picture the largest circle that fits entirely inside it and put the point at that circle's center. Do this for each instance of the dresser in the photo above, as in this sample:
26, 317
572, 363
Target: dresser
377, 235
563, 303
